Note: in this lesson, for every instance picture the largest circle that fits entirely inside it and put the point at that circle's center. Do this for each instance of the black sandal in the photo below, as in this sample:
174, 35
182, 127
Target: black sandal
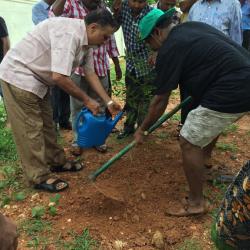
69, 166
57, 185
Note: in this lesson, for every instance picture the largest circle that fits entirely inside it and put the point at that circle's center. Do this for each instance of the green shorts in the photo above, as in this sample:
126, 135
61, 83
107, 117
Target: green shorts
203, 125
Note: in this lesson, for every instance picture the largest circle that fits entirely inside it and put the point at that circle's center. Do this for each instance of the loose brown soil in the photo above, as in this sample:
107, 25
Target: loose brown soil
149, 179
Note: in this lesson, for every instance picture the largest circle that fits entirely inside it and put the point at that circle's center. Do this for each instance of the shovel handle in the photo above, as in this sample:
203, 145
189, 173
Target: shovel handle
116, 157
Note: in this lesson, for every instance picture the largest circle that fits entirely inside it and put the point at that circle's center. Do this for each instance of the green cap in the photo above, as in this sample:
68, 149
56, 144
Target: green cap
148, 22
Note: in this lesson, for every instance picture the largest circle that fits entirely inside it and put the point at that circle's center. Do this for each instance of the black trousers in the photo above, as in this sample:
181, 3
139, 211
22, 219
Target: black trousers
138, 96
61, 106
246, 39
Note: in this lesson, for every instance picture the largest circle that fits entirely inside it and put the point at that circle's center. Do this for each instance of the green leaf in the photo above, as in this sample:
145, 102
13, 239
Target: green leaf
55, 199
37, 212
52, 211
19, 196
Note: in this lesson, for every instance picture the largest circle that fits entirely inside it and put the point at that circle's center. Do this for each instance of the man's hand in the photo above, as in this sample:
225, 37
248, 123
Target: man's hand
113, 107
118, 72
139, 136
8, 234
93, 106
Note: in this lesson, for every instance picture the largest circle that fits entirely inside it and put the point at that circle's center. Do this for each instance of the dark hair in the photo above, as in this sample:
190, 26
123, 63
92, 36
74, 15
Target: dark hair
164, 23
101, 16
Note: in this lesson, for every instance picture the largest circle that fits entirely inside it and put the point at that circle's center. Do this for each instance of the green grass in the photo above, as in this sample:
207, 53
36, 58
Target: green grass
176, 117
7, 145
190, 244
227, 147
32, 228
80, 242
230, 129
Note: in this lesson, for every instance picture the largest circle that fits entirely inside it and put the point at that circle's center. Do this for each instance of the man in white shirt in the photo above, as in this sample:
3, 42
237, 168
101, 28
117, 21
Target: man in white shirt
45, 57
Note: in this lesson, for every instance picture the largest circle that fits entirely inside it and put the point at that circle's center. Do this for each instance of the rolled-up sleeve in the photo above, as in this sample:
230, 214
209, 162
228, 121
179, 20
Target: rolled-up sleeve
112, 47
63, 52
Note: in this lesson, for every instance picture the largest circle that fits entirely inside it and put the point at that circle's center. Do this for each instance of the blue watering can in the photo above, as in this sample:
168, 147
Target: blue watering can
94, 130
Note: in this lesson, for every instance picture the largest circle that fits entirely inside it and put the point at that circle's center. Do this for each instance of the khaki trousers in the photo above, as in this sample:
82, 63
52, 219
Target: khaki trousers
34, 132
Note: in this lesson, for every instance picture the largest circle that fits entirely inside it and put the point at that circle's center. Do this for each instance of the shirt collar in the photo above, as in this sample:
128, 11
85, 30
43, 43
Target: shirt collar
202, 1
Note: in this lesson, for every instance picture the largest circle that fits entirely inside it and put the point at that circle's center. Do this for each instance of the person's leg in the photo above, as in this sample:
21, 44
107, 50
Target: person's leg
75, 104
131, 104
54, 153
145, 94
64, 110
200, 129
193, 165
208, 152
25, 116
55, 104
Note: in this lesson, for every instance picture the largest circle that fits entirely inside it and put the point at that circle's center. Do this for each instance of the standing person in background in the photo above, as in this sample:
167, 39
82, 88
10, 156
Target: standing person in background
165, 5
185, 6
139, 74
4, 47
59, 98
40, 11
4, 43
224, 15
245, 7
79, 9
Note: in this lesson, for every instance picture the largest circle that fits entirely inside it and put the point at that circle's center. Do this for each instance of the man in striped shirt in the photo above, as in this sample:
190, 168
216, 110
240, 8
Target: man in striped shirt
79, 9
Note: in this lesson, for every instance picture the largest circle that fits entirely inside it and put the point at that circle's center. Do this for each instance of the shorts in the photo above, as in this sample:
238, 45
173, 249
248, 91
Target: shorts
203, 125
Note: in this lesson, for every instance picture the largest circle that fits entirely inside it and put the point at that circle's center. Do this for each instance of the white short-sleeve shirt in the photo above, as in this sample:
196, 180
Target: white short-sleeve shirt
55, 45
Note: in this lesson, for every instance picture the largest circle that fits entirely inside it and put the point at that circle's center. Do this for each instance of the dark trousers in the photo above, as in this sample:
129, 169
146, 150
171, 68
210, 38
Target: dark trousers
61, 106
138, 96
246, 39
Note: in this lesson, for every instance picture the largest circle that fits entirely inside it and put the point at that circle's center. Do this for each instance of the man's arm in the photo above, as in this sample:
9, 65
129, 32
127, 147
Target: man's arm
113, 54
96, 85
235, 25
6, 44
156, 109
4, 36
58, 7
38, 14
65, 83
117, 7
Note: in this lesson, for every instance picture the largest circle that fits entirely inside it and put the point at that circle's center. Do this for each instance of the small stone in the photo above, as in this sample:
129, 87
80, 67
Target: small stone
116, 218
52, 204
34, 196
135, 218
119, 245
14, 206
21, 216
7, 207
143, 196
69, 220
110, 218
158, 240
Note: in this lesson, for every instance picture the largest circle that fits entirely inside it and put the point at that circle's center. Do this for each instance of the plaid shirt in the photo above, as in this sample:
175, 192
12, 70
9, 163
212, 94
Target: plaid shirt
137, 52
75, 9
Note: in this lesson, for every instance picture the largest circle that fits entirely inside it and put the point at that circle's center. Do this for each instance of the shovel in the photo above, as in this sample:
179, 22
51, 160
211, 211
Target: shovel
116, 157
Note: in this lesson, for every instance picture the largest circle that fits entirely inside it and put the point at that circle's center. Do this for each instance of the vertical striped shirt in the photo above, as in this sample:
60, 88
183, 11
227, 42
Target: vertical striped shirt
76, 9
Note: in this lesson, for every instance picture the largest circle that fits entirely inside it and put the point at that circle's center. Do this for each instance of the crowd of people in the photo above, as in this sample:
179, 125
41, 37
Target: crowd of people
201, 47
